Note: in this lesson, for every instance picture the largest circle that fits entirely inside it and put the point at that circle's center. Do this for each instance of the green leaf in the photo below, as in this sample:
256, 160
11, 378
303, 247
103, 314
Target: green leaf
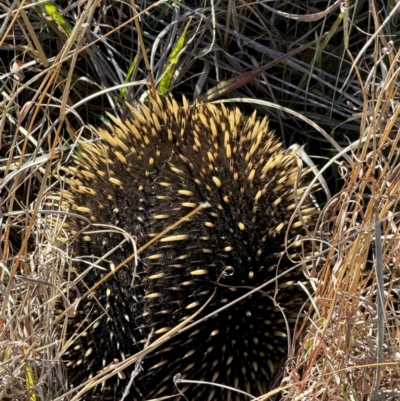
172, 62
51, 10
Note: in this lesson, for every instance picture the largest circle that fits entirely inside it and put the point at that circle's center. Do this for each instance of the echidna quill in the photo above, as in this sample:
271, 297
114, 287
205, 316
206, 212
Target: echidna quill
146, 174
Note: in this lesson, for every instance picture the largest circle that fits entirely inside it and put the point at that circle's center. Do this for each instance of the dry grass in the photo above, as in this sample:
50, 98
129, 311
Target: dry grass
60, 73
351, 348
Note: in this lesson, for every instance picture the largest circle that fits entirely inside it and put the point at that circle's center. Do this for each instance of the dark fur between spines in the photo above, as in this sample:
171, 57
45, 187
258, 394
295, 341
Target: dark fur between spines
147, 173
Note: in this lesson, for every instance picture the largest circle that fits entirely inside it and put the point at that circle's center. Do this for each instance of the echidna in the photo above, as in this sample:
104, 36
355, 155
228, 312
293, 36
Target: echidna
147, 173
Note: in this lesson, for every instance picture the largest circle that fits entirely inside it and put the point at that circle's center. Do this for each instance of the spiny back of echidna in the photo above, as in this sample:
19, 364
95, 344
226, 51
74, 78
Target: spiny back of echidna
147, 173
